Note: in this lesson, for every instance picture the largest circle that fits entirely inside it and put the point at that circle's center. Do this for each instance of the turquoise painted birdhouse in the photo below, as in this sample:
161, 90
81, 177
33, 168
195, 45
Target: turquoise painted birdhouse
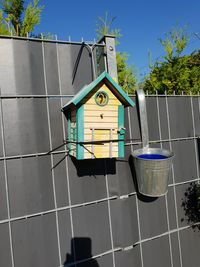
95, 117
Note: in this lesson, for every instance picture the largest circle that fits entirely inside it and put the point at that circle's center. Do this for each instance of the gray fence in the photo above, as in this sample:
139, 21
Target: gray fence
56, 211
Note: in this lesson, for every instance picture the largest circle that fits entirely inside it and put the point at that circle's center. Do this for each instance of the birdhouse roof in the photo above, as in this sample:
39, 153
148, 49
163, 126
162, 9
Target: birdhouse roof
104, 78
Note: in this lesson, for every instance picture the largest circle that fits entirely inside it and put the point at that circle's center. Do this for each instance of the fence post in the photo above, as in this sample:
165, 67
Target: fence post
111, 61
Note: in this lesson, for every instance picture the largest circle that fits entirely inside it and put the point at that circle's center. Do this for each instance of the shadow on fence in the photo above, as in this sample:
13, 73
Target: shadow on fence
191, 206
81, 250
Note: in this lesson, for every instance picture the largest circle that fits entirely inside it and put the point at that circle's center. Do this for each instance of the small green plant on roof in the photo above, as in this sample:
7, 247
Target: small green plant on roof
104, 27
18, 19
126, 73
191, 206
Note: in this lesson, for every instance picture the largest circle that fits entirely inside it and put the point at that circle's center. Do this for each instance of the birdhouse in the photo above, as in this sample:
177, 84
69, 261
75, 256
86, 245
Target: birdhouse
95, 117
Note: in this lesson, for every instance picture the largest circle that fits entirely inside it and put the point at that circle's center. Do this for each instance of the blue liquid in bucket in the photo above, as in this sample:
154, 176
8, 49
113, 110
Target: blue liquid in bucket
151, 156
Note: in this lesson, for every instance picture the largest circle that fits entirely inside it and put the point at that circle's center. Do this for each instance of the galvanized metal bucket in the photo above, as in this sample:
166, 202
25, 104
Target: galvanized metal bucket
152, 167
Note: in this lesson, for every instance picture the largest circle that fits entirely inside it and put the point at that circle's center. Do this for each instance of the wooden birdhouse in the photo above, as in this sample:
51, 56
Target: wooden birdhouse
95, 117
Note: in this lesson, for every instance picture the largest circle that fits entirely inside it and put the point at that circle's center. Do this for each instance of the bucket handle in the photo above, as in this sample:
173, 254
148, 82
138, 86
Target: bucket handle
143, 118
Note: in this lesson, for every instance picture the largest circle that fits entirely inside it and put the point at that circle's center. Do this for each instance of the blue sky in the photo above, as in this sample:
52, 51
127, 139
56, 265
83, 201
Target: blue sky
142, 23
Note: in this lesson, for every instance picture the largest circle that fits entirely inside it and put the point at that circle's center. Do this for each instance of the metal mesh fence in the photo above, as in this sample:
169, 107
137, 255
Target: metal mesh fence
56, 211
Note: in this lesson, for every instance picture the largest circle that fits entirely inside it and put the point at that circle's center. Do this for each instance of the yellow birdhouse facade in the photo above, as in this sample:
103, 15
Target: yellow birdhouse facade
101, 124
96, 120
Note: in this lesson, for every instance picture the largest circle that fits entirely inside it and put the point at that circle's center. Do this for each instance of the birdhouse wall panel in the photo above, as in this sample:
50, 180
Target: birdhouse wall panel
69, 130
121, 132
101, 123
101, 119
113, 100
88, 131
88, 155
73, 116
80, 132
106, 146
109, 92
73, 125
95, 107
105, 149
72, 132
96, 116
88, 136
100, 152
73, 150
94, 113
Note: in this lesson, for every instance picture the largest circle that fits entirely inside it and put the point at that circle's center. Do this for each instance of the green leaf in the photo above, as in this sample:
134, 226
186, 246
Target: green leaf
31, 17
